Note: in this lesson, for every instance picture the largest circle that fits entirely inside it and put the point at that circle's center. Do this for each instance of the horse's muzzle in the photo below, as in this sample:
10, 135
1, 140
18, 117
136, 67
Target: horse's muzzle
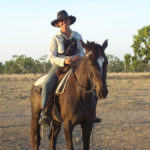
103, 94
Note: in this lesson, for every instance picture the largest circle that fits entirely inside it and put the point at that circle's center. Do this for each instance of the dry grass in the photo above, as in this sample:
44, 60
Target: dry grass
125, 114
124, 74
129, 74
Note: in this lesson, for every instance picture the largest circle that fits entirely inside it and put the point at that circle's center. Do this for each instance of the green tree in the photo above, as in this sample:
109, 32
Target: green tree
11, 67
1, 68
114, 64
127, 62
141, 44
37, 67
24, 63
45, 64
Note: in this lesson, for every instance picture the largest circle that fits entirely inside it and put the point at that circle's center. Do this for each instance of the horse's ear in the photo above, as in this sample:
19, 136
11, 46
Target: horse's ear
84, 45
105, 44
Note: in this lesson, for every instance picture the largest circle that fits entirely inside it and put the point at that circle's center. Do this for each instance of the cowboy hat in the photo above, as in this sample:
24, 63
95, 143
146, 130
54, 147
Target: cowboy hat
61, 15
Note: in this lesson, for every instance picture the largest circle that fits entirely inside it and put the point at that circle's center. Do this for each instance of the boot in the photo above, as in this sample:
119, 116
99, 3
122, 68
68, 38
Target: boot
45, 120
46, 117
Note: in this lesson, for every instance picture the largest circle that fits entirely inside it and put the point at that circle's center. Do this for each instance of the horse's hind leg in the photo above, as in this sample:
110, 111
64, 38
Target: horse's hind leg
86, 132
35, 131
53, 134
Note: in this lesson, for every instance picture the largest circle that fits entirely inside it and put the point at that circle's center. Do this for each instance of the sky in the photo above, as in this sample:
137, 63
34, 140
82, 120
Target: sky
25, 25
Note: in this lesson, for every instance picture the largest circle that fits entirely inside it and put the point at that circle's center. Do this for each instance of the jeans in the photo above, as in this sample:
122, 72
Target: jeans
49, 85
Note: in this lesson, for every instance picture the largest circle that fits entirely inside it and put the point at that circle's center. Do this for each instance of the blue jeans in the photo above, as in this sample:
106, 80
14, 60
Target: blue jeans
49, 85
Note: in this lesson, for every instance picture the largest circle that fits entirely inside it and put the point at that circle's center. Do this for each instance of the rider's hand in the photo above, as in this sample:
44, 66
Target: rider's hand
68, 61
77, 58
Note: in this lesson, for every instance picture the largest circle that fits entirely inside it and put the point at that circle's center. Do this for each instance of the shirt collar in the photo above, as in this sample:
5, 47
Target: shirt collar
72, 35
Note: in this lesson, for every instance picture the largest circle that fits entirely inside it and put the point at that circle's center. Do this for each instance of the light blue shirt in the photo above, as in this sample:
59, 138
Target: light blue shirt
57, 48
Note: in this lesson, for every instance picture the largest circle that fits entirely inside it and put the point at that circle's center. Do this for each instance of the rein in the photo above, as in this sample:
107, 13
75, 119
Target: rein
82, 87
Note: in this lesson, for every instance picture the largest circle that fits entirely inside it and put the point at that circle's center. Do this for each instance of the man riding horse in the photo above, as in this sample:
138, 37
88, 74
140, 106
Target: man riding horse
65, 50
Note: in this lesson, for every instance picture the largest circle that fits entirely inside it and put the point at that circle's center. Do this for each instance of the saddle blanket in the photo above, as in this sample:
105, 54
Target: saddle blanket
61, 86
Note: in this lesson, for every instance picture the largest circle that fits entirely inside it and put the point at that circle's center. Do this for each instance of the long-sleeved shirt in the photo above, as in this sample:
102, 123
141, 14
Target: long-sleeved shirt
57, 48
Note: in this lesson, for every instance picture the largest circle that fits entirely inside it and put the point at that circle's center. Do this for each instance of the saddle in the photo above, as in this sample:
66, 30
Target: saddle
63, 76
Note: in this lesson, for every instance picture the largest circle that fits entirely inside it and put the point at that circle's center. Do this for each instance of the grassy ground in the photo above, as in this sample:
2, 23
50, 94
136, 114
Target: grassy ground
125, 114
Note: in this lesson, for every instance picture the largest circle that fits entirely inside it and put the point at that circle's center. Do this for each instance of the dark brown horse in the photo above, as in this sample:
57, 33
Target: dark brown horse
77, 105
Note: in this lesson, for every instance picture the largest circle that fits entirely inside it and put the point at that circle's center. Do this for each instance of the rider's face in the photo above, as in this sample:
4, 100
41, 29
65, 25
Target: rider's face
64, 23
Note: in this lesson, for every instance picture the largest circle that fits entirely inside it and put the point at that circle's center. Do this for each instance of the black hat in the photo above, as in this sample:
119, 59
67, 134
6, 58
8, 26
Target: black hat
61, 15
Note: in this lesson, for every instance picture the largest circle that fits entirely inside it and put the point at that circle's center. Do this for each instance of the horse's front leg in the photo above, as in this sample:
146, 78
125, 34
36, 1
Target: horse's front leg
86, 132
55, 129
68, 128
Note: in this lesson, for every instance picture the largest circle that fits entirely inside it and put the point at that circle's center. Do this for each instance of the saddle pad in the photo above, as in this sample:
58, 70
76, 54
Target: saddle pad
41, 80
61, 86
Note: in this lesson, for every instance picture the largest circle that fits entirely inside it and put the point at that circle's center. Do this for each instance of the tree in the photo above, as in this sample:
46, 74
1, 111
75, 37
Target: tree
11, 67
1, 68
25, 63
45, 63
127, 62
141, 44
114, 64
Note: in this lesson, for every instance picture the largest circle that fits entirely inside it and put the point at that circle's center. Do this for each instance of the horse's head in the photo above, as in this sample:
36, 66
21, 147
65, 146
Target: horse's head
97, 65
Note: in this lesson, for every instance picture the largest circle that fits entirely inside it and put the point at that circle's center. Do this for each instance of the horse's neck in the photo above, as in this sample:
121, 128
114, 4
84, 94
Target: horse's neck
81, 73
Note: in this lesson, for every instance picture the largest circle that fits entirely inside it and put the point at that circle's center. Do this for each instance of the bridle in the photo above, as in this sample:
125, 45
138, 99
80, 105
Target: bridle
93, 87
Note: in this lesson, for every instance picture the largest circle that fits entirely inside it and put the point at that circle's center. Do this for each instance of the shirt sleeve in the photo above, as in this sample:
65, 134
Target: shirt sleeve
54, 57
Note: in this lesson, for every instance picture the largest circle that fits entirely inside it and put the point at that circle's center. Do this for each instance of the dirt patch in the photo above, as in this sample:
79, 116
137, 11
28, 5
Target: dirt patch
125, 115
